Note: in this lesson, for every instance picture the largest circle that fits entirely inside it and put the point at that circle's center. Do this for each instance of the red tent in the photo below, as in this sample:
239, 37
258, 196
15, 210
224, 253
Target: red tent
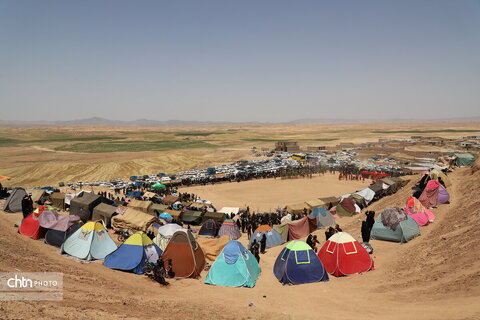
342, 255
30, 226
302, 228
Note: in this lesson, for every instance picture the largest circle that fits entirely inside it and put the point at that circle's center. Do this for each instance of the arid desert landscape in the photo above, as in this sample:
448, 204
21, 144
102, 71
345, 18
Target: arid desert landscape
434, 276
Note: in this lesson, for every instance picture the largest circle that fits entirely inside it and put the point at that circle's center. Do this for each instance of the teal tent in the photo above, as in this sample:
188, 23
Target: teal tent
464, 159
234, 267
405, 231
324, 218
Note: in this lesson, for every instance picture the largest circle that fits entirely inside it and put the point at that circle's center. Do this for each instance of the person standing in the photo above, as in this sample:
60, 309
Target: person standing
329, 232
256, 253
370, 219
365, 232
309, 240
27, 205
263, 243
314, 243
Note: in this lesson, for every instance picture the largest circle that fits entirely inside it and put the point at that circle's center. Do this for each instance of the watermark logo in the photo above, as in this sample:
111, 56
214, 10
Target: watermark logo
31, 286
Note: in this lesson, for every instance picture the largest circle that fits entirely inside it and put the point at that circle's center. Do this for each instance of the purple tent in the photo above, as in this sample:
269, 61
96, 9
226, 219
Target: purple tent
50, 219
443, 195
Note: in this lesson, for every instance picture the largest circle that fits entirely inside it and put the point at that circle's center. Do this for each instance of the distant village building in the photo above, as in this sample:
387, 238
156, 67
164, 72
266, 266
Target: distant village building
467, 144
346, 145
287, 146
316, 148
433, 142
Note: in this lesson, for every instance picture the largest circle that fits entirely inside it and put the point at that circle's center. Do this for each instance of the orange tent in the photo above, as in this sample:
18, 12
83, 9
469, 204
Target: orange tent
263, 227
188, 259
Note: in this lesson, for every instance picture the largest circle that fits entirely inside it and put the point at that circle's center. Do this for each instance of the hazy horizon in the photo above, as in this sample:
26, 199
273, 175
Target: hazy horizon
269, 61
93, 118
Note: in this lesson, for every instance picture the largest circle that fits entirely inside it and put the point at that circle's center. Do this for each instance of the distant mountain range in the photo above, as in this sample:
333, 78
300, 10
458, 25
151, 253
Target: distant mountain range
102, 122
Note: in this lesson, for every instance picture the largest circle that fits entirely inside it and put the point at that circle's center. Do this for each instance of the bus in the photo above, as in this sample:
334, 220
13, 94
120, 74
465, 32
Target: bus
299, 156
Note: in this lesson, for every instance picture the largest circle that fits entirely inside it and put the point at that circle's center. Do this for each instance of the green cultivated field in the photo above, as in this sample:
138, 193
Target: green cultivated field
134, 146
13, 142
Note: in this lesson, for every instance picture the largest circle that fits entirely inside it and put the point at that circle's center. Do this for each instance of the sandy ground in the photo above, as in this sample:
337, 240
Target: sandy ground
435, 276
268, 194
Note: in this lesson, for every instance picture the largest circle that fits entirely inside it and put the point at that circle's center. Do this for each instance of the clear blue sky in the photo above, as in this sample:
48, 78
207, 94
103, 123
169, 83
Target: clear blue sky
239, 60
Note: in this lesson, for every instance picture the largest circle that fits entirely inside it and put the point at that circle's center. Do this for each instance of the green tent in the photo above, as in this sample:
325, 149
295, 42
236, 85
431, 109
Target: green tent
282, 230
404, 232
346, 207
157, 207
158, 186
192, 217
359, 200
464, 159
234, 267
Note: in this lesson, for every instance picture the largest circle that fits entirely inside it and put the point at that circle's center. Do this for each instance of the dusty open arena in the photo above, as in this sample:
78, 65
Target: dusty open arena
266, 195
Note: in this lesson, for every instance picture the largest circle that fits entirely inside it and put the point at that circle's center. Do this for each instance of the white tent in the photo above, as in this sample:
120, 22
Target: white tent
229, 210
367, 194
169, 229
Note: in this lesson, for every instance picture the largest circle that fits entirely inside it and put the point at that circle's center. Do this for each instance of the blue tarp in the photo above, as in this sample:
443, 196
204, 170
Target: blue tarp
135, 194
273, 238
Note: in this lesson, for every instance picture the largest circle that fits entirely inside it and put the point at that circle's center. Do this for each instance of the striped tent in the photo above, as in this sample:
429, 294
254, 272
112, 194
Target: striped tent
229, 228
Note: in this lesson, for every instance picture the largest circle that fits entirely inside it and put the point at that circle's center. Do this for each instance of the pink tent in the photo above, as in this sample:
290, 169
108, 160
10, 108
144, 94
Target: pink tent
418, 212
434, 194
302, 228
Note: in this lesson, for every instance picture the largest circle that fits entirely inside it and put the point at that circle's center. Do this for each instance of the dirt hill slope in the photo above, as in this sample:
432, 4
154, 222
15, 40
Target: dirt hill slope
435, 276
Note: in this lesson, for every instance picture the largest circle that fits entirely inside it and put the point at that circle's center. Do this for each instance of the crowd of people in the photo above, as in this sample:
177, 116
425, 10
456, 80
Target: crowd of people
331, 231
